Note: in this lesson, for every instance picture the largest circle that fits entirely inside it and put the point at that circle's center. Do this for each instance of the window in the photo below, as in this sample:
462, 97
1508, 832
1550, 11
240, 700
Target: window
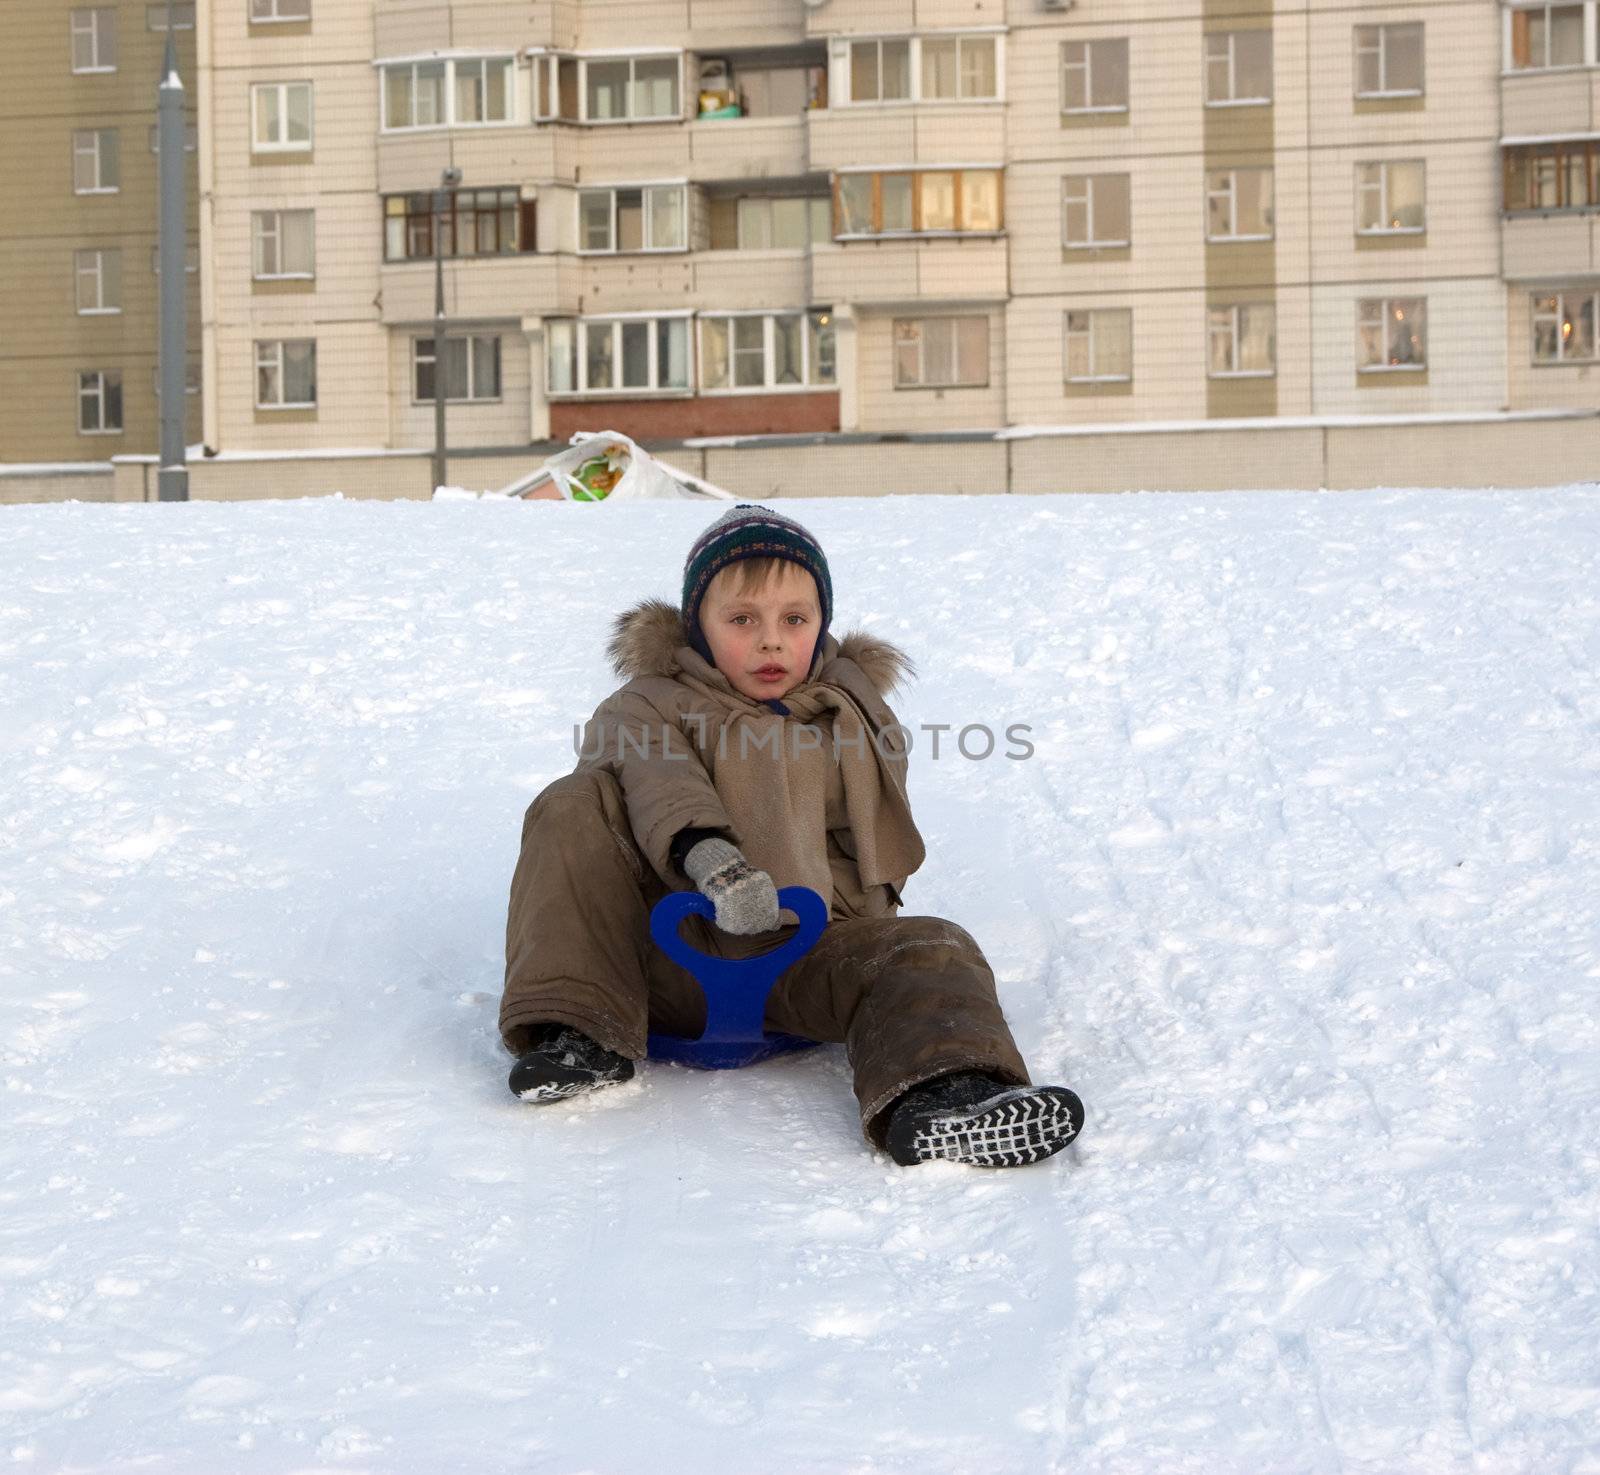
941, 353
471, 368
958, 68
286, 374
630, 89
94, 40
921, 201
1553, 176
782, 223
98, 277
617, 355
1096, 209
1391, 333
923, 69
100, 402
1390, 198
1546, 36
283, 244
1389, 60
191, 259
650, 218
191, 138
1238, 67
96, 169
1094, 76
1242, 341
1239, 205
483, 222
282, 117
266, 11
1566, 327
880, 71
155, 17
454, 93
1099, 345
781, 91
753, 352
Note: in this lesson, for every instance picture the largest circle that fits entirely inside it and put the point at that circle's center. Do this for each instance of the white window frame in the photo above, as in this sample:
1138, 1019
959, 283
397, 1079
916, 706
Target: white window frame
99, 25
1235, 336
274, 146
275, 12
808, 384
612, 322
97, 152
273, 358
922, 350
155, 17
449, 118
1086, 66
633, 59
89, 266
1384, 305
645, 191
267, 226
97, 392
1230, 193
1383, 166
1232, 59
418, 358
840, 69
1087, 198
1381, 50
1088, 335
1561, 360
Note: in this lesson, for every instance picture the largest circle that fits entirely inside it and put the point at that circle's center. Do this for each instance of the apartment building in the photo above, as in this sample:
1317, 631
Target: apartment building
78, 287
923, 218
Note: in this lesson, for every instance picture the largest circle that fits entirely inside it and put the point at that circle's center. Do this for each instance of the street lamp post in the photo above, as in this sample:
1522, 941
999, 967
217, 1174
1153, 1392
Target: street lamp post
172, 474
448, 181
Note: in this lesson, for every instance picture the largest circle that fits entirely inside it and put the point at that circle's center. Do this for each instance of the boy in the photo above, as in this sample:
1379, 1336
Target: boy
750, 751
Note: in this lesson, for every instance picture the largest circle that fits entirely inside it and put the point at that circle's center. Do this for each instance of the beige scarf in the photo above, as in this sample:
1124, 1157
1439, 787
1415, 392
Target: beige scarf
774, 778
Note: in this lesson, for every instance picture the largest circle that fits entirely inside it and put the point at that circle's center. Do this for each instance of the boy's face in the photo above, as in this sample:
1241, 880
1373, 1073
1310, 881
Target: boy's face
762, 639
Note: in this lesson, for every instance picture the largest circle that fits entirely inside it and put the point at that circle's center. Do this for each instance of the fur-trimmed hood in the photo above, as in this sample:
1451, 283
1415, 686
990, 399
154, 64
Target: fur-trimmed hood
645, 641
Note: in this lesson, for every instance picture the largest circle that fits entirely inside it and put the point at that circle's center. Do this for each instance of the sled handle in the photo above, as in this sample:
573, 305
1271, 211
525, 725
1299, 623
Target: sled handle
670, 911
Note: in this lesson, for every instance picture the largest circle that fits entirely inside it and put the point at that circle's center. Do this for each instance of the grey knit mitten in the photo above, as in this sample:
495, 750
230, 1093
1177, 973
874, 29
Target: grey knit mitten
745, 899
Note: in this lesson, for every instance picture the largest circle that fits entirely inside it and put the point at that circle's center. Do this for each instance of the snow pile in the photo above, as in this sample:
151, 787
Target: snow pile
1298, 889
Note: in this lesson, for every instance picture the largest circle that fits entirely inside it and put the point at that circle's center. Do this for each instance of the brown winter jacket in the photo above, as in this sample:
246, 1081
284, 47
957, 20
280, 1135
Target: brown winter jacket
678, 737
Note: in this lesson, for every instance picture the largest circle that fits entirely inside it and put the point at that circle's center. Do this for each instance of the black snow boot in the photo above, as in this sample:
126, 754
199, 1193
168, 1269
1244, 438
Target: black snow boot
970, 1117
562, 1062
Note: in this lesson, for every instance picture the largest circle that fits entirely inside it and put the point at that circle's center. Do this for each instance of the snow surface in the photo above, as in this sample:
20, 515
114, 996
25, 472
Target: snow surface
1298, 890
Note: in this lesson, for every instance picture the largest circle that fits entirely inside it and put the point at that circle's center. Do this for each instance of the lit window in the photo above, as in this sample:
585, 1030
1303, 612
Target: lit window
1391, 333
1566, 327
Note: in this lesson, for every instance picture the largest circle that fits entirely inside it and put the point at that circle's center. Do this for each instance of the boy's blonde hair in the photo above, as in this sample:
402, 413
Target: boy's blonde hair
751, 574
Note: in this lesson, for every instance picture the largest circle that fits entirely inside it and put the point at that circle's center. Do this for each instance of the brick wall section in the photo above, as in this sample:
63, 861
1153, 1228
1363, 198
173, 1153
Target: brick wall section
671, 419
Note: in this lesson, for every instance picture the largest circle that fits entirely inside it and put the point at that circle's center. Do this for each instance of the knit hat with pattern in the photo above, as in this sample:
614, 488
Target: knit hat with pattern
749, 531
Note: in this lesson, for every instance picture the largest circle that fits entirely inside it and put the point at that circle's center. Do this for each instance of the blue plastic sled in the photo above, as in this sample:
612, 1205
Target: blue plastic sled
736, 989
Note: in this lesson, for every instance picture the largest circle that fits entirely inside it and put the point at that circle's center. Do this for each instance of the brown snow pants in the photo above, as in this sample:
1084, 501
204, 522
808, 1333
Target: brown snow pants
910, 997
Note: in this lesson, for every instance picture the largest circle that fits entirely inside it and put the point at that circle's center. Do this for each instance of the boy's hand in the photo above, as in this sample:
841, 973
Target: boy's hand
745, 899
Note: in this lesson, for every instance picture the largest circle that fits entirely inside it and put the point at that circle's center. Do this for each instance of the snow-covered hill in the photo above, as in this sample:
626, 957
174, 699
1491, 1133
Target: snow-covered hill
1298, 889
